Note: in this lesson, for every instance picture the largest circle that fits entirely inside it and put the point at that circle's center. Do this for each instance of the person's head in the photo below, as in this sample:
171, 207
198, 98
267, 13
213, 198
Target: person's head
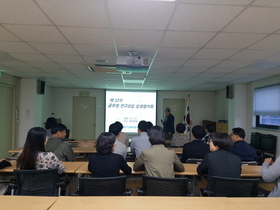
237, 134
105, 143
115, 128
167, 110
210, 128
156, 135
34, 143
50, 122
142, 126
119, 124
219, 141
198, 132
180, 128
149, 125
59, 130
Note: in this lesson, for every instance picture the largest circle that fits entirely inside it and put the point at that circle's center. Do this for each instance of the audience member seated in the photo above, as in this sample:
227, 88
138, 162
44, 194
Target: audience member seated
210, 128
141, 142
196, 148
149, 125
61, 149
271, 173
123, 137
179, 139
120, 148
158, 161
104, 163
4, 163
240, 147
48, 125
219, 162
33, 155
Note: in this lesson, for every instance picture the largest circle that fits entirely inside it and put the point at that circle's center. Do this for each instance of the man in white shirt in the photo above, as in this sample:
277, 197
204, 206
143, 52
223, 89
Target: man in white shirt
140, 142
120, 147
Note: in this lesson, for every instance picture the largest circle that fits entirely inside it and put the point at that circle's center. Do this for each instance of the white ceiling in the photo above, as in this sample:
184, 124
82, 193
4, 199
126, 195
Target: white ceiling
195, 45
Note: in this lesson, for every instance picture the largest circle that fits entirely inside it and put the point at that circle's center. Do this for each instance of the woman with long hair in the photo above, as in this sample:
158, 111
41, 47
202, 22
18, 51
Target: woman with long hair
33, 155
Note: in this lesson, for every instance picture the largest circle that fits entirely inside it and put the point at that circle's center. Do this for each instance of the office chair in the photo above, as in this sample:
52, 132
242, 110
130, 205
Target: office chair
234, 187
156, 186
36, 183
268, 146
255, 140
104, 186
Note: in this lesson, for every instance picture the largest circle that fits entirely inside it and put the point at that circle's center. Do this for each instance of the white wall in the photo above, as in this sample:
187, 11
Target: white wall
47, 105
30, 109
202, 105
221, 105
250, 105
63, 106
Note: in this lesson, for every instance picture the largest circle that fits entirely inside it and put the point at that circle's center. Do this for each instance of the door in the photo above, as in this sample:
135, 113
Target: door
6, 120
84, 109
177, 107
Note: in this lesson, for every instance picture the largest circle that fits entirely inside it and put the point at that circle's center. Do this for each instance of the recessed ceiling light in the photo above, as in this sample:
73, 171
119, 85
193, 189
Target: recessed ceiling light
101, 61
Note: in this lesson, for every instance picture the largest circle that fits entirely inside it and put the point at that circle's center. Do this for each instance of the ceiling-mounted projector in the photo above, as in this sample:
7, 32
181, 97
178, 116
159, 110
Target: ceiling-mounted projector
134, 64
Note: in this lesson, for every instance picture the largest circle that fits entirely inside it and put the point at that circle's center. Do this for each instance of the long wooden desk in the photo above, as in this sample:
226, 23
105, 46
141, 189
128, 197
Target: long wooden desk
143, 203
190, 170
71, 167
92, 150
26, 202
256, 203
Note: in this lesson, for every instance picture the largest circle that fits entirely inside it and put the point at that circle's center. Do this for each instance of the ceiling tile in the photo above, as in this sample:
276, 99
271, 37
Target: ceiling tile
168, 62
271, 42
203, 17
74, 13
98, 51
273, 3
30, 57
228, 2
186, 39
214, 54
56, 49
18, 12
141, 14
234, 40
179, 53
256, 20
135, 38
7, 36
16, 47
221, 70
36, 33
93, 36
66, 58
201, 63
253, 55
234, 63
43, 64
191, 69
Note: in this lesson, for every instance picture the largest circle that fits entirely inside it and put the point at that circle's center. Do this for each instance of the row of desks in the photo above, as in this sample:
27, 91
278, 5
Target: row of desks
190, 169
136, 203
78, 150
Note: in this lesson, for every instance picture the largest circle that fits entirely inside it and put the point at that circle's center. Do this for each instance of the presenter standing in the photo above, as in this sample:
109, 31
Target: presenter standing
168, 124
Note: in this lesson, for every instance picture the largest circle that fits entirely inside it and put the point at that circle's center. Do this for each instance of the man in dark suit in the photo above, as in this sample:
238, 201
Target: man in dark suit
196, 148
168, 124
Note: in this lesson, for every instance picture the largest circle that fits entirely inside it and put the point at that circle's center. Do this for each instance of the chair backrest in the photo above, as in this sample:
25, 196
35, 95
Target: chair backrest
104, 186
248, 163
156, 186
194, 160
234, 187
268, 142
256, 140
36, 182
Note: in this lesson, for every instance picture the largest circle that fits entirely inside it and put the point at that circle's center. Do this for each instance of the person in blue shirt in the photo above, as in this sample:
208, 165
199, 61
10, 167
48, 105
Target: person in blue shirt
240, 147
